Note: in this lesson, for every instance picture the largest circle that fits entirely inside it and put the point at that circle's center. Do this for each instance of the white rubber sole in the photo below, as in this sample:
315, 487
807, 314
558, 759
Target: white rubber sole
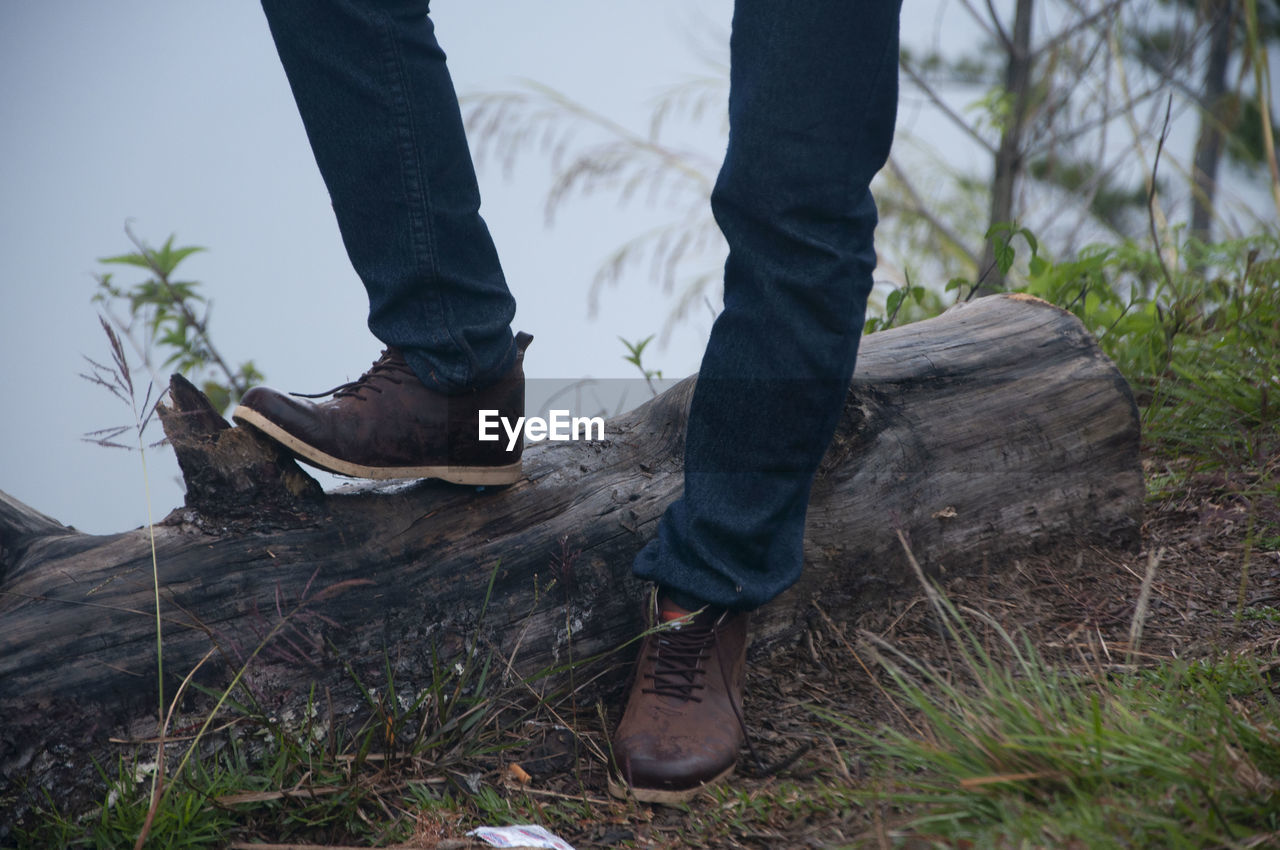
473, 475
620, 789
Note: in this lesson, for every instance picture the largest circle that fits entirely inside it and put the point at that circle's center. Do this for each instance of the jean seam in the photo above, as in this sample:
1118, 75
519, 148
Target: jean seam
415, 183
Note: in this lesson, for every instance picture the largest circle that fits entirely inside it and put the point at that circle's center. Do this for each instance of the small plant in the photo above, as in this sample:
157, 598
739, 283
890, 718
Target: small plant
1265, 613
634, 356
1195, 330
905, 304
169, 318
183, 821
117, 378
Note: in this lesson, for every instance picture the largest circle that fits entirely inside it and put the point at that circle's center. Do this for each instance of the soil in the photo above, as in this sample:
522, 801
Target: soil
1076, 605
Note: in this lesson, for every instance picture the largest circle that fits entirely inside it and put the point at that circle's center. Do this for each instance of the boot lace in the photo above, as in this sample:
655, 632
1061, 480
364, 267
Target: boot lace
389, 368
678, 670
678, 660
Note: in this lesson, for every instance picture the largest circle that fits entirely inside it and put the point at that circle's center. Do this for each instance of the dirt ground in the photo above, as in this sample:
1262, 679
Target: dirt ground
1076, 605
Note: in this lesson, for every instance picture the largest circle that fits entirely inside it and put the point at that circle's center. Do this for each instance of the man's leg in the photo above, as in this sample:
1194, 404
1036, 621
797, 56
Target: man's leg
382, 116
812, 103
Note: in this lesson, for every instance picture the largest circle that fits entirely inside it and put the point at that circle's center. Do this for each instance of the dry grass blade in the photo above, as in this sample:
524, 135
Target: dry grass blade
1144, 602
979, 781
303, 793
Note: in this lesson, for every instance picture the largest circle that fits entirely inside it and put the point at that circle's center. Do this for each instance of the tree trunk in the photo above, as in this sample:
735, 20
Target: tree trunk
995, 429
1009, 163
1213, 119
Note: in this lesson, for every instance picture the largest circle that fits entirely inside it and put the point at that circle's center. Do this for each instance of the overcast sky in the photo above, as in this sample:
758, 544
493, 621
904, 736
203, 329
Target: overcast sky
176, 117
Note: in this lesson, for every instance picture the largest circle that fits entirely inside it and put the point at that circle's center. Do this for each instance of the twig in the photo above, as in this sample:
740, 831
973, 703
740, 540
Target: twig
1144, 601
1079, 26
929, 590
1128, 103
946, 110
767, 770
1151, 195
978, 18
560, 795
1005, 40
922, 209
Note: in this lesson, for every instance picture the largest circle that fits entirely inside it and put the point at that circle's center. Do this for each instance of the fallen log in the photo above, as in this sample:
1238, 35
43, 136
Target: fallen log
995, 429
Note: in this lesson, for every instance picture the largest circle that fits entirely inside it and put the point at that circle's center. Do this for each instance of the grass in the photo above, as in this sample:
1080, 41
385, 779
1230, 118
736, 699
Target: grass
983, 739
312, 776
1003, 749
1008, 750
1198, 339
181, 820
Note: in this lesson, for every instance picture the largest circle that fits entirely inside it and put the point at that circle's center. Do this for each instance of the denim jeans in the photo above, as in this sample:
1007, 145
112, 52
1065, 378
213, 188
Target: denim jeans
812, 104
383, 121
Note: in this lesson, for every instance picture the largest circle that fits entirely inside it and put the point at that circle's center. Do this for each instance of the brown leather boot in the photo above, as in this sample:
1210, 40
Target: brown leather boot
683, 726
388, 424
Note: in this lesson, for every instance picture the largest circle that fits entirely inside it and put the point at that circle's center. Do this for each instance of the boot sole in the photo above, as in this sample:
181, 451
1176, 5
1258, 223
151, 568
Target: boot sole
473, 475
620, 789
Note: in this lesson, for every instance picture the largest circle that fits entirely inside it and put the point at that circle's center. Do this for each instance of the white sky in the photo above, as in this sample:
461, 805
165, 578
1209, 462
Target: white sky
176, 116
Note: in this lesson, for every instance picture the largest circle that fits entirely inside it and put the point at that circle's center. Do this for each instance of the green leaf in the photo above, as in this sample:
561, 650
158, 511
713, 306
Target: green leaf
127, 260
1031, 240
167, 258
1004, 256
635, 349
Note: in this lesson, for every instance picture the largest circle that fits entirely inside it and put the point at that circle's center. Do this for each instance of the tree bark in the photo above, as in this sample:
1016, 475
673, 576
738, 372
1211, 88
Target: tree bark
1214, 119
995, 429
1009, 163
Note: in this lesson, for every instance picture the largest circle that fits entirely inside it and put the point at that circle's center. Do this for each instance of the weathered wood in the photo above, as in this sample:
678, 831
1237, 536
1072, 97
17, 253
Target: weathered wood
992, 430
21, 526
231, 472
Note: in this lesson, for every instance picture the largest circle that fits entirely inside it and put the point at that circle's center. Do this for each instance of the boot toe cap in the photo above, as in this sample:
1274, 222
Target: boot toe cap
673, 762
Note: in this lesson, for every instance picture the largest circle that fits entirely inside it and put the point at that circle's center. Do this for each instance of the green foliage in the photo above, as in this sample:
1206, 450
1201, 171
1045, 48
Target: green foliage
1197, 334
305, 776
905, 304
169, 318
1266, 614
635, 351
993, 109
183, 821
1194, 328
635, 355
1009, 751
